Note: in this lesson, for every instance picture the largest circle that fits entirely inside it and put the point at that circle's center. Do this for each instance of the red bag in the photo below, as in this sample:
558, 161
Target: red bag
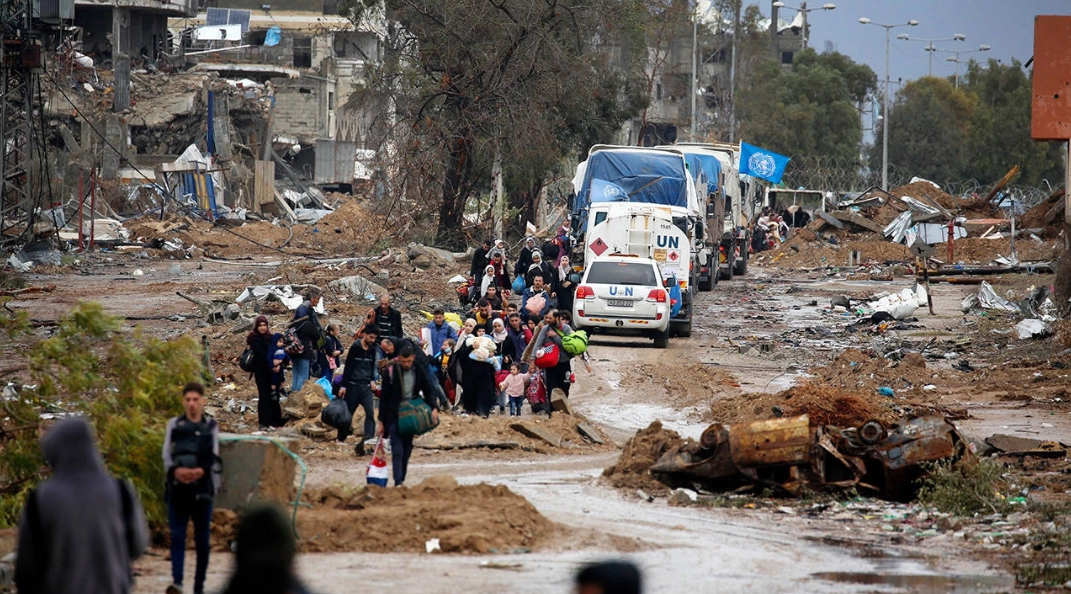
536, 391
547, 356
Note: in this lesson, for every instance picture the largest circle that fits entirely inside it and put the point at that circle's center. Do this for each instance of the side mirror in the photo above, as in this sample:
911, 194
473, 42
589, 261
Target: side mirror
665, 283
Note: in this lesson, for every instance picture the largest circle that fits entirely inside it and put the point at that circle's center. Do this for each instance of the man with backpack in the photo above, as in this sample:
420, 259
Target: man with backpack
403, 379
191, 455
309, 337
550, 336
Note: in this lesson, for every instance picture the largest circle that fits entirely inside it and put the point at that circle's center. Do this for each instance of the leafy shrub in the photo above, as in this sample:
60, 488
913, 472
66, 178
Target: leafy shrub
125, 383
964, 487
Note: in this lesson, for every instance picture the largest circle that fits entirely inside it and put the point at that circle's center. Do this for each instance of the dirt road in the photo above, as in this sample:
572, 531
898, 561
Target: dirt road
701, 549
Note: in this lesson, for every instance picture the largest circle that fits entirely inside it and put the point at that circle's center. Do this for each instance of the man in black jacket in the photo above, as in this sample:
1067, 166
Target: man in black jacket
480, 259
357, 378
403, 380
191, 452
306, 325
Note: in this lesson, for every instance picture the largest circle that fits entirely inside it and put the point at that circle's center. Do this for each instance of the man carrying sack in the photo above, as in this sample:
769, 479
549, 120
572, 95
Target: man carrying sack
402, 413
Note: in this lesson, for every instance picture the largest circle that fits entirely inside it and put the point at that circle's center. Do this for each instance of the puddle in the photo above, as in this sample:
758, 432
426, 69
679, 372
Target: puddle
924, 584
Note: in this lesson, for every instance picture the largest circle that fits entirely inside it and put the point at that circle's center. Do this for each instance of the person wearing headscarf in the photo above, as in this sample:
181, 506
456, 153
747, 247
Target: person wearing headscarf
542, 268
488, 279
524, 260
81, 529
499, 331
264, 551
566, 286
261, 342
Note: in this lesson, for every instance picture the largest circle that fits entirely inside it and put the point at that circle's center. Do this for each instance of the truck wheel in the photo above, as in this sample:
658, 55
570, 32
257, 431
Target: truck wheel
686, 330
661, 340
741, 265
727, 274
707, 285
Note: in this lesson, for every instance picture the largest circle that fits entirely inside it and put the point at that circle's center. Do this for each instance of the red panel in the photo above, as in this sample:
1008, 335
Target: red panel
1051, 108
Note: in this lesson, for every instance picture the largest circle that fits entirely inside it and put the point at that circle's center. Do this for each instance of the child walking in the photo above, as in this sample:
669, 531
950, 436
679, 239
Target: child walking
513, 384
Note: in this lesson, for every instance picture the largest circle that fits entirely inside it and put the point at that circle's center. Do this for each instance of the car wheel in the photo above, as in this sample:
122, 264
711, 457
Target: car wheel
661, 341
686, 330
727, 274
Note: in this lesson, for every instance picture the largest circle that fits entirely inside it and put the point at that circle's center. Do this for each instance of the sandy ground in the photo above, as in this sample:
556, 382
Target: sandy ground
632, 384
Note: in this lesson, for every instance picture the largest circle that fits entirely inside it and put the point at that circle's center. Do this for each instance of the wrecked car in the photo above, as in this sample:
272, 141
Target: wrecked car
789, 455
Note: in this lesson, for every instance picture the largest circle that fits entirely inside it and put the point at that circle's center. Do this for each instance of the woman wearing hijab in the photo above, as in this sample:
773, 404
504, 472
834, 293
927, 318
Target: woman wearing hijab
566, 287
269, 413
498, 262
488, 279
543, 269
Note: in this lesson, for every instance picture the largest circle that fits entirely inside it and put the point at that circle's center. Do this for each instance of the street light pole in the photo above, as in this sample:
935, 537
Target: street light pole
929, 44
695, 35
885, 102
802, 9
955, 57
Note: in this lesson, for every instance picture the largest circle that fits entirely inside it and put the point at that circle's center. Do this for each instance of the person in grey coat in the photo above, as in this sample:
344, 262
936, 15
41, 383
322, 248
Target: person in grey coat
81, 529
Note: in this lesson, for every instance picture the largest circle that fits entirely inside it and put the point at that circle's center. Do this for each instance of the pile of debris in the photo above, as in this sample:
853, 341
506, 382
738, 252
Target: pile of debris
877, 230
793, 455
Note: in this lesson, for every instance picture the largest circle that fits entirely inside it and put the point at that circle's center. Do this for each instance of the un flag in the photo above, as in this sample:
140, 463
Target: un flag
761, 163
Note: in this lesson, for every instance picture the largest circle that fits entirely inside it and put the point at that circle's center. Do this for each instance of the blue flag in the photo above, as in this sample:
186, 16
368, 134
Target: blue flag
761, 163
604, 191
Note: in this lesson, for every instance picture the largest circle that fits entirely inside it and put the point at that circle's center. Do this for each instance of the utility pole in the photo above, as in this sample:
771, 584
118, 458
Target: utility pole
20, 62
732, 71
695, 35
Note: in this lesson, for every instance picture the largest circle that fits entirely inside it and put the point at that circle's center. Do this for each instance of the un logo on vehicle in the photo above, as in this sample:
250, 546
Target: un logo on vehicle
610, 192
762, 164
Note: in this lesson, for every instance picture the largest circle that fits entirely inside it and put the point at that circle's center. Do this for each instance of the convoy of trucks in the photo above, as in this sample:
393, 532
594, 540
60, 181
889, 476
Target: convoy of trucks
684, 206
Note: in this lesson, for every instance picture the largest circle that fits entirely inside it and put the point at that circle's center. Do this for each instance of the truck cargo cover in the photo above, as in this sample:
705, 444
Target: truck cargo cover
646, 177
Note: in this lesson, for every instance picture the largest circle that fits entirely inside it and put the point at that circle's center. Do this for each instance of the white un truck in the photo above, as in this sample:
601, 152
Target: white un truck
643, 202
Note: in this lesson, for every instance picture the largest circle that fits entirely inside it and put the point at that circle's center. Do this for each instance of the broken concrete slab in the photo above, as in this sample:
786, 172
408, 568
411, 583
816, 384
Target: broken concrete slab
467, 445
559, 402
359, 287
589, 432
423, 256
537, 432
255, 470
1025, 446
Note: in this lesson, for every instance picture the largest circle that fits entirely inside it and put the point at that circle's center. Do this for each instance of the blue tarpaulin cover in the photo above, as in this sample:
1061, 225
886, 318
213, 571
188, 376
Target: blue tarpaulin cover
709, 165
644, 177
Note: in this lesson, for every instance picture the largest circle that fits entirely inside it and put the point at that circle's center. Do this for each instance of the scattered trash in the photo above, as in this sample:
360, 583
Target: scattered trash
1032, 329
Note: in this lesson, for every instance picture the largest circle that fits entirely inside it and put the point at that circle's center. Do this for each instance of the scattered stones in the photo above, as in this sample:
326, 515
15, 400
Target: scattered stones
683, 497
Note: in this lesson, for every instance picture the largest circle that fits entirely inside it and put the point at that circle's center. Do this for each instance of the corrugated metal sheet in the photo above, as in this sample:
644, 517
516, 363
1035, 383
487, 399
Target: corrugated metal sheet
334, 162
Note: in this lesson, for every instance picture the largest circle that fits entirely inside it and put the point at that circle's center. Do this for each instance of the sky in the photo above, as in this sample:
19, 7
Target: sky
1007, 26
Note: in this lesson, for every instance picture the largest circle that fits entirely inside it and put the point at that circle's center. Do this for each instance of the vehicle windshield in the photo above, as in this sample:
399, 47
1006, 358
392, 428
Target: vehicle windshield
622, 273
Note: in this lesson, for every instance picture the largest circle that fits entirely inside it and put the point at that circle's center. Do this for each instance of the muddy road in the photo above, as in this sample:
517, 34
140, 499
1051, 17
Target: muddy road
701, 549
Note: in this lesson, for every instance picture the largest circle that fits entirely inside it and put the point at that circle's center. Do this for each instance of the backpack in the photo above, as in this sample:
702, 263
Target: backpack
245, 360
576, 343
292, 343
535, 304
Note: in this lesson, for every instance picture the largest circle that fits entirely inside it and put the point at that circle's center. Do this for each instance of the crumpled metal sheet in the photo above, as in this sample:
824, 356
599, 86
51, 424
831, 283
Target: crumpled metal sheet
790, 455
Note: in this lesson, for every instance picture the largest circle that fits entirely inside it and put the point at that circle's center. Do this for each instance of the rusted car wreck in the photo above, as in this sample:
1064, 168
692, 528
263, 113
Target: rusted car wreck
790, 455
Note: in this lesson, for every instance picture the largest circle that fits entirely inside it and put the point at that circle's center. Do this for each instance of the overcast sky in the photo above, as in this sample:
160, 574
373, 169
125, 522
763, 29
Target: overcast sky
1005, 25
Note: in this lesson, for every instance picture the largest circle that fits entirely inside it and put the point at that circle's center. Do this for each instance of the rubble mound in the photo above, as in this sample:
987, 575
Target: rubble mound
633, 468
977, 250
475, 519
926, 191
826, 404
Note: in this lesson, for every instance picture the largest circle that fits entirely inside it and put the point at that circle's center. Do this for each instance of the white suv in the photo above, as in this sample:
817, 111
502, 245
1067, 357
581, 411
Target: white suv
621, 292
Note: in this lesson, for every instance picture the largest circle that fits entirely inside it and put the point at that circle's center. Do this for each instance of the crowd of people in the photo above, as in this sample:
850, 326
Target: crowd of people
489, 357
510, 343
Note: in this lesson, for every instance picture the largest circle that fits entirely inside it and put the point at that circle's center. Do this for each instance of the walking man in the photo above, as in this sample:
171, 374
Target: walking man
80, 529
357, 378
307, 327
191, 452
403, 380
440, 331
